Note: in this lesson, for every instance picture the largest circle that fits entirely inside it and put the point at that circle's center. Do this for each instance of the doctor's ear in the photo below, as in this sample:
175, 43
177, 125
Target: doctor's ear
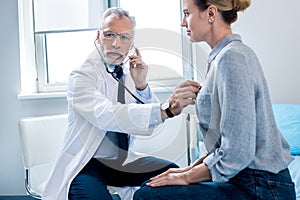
132, 48
98, 36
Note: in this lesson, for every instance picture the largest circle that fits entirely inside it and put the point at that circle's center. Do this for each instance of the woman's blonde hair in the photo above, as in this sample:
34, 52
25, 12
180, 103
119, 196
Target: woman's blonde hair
228, 8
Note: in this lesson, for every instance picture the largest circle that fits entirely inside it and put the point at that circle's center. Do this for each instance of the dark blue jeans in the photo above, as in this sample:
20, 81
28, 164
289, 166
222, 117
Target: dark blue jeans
248, 184
92, 181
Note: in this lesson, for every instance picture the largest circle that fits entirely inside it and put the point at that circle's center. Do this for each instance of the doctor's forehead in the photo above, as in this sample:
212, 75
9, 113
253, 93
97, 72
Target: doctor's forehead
117, 24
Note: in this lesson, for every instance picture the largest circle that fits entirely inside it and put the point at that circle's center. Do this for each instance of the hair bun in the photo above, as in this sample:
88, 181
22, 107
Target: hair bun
240, 5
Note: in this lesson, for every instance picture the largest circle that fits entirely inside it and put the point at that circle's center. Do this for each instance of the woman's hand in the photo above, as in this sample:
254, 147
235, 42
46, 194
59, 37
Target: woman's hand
181, 176
138, 70
173, 176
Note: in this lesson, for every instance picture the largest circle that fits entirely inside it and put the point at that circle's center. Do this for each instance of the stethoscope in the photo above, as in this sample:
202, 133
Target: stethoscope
115, 75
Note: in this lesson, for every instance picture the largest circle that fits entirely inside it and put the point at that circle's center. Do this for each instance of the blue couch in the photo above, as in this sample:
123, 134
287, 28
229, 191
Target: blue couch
287, 117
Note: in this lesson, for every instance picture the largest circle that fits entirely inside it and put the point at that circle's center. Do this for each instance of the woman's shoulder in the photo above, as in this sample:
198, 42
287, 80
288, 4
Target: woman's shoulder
237, 54
237, 61
238, 49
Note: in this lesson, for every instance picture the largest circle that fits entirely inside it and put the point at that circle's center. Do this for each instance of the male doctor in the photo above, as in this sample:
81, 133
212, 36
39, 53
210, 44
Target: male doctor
96, 152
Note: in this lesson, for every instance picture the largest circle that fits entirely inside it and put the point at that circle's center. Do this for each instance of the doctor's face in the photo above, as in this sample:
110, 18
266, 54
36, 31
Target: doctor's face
116, 38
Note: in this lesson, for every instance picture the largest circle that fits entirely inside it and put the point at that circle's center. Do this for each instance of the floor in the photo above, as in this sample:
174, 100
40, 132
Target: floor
16, 198
115, 197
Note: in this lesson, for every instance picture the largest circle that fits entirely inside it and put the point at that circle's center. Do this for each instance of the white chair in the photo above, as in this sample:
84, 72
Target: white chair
41, 137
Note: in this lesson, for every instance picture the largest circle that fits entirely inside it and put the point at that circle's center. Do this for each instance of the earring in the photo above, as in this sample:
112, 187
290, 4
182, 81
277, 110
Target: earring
210, 21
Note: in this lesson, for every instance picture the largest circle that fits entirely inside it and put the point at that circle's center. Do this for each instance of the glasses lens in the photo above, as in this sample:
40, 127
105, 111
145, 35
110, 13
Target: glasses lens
109, 35
124, 37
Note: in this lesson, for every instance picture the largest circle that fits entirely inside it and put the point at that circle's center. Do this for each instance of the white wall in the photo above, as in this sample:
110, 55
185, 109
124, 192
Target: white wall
271, 27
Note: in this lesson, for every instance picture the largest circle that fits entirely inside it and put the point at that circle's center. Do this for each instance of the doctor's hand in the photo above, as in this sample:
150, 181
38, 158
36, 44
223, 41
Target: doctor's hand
184, 94
138, 70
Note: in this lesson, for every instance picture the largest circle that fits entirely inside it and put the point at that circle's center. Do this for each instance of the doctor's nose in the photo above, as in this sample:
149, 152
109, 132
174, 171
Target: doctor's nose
116, 43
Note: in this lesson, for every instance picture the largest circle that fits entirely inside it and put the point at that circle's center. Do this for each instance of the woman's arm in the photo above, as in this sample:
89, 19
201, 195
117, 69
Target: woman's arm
180, 176
183, 176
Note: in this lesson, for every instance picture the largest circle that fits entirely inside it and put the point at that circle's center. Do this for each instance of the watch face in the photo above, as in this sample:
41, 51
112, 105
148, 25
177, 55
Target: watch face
165, 105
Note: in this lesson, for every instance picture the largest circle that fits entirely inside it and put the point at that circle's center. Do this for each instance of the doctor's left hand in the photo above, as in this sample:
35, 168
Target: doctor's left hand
138, 70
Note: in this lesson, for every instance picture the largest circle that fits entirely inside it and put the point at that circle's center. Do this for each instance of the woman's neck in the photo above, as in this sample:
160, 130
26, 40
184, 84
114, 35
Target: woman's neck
218, 33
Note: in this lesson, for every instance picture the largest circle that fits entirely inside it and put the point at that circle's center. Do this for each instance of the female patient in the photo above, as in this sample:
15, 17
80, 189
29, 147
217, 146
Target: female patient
247, 155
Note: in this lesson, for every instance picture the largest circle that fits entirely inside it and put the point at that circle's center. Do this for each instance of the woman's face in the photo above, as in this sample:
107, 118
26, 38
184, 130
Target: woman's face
195, 21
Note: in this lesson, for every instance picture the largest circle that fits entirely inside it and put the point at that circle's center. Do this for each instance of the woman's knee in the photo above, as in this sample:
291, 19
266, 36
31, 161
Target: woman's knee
143, 193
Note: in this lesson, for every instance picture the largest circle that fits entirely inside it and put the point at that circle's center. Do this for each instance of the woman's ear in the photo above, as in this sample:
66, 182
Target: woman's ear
211, 12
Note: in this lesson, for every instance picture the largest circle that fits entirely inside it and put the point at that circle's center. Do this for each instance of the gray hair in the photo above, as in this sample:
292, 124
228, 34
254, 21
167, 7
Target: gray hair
120, 13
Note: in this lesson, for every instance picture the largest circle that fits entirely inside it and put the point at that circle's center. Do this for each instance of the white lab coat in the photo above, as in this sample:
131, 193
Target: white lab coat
93, 110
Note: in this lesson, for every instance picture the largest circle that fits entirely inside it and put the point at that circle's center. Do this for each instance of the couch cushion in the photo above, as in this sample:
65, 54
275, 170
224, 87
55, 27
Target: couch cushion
287, 117
295, 174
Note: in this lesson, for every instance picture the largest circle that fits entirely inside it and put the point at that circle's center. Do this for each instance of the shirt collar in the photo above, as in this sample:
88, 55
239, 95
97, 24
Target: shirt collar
225, 41
111, 68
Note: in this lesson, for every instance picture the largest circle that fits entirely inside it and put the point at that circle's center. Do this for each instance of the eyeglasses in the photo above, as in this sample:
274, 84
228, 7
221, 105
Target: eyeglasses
110, 35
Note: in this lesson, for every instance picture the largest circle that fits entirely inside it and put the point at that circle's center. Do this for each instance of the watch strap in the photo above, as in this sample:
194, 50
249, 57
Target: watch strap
169, 113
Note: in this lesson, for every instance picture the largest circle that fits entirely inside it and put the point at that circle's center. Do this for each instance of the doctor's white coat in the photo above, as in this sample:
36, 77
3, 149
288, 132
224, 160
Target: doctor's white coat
93, 110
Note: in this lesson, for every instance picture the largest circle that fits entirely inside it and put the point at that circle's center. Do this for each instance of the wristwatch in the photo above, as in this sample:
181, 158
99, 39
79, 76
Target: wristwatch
165, 106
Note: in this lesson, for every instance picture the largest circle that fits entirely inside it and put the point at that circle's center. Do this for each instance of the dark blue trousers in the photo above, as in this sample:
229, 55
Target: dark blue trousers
249, 184
92, 181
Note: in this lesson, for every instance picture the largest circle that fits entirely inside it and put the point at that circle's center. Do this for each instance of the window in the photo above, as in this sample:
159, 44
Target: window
159, 38
55, 37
